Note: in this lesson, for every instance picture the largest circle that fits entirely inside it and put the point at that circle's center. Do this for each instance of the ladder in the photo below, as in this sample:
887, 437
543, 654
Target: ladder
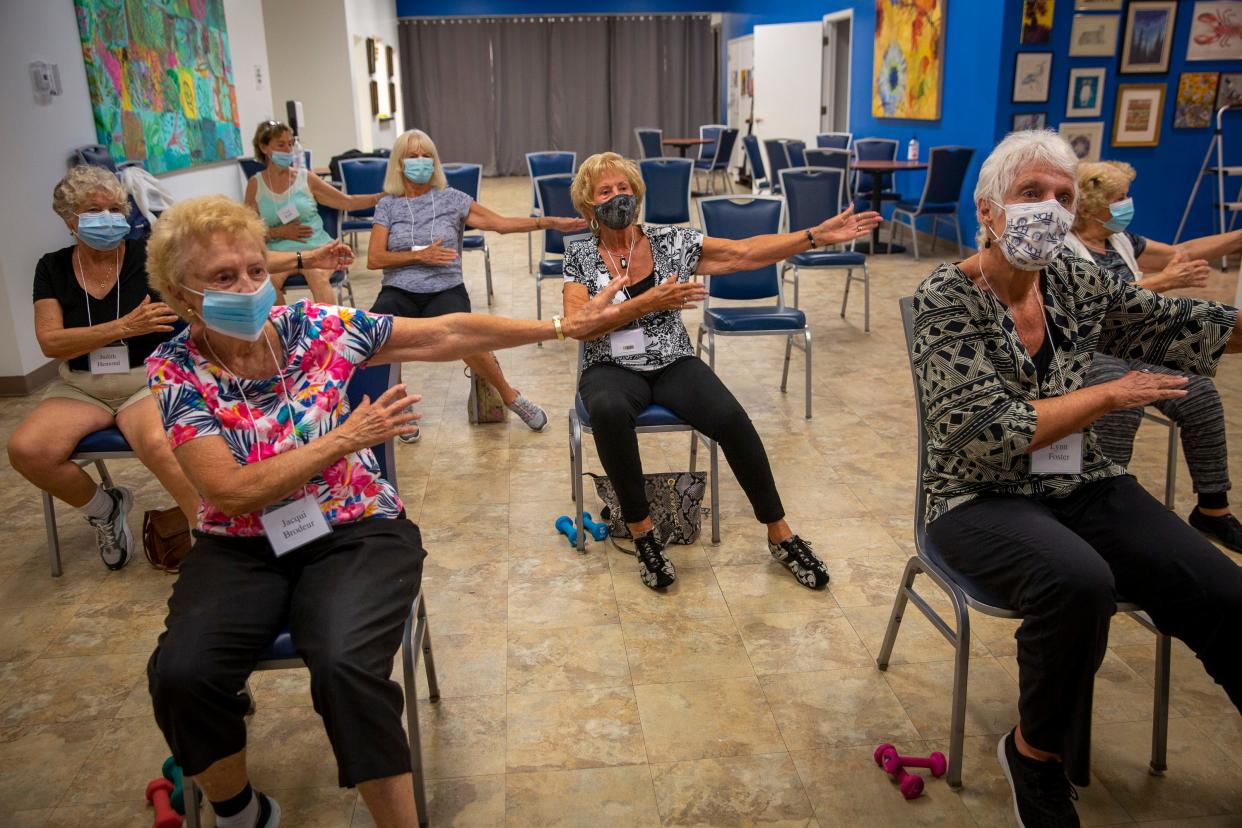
1220, 207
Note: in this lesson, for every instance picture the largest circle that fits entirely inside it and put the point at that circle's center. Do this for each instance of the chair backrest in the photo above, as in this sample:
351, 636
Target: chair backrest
813, 195
710, 132
553, 199
920, 500
650, 142
549, 162
946, 173
331, 218
466, 178
740, 217
725, 142
97, 155
875, 149
250, 168
373, 381
363, 176
753, 154
796, 150
778, 159
667, 200
834, 140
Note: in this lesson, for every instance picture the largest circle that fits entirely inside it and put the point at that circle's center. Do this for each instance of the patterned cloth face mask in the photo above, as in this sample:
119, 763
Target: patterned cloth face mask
617, 212
1034, 233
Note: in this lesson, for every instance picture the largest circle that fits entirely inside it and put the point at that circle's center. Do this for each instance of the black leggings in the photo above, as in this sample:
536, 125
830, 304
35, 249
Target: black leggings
1063, 563
344, 598
614, 397
399, 302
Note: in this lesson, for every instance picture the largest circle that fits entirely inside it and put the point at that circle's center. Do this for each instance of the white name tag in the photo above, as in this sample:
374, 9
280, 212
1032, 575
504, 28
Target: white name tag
287, 213
110, 359
418, 247
1062, 457
294, 524
626, 342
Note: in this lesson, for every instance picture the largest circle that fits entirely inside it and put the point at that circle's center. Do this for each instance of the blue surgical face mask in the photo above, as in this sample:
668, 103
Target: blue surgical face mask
282, 159
239, 315
102, 230
419, 170
1122, 212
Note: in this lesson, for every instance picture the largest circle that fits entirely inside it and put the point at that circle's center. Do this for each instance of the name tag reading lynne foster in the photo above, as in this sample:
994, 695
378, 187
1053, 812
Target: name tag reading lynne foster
287, 213
627, 341
1062, 457
110, 359
294, 524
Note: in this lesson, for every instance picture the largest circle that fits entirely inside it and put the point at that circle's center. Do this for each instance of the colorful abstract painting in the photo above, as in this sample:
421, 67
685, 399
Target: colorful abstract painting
909, 59
1195, 93
160, 80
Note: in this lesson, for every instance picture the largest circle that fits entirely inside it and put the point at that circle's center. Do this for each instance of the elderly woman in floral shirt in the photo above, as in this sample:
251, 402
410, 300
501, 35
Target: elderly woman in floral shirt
297, 527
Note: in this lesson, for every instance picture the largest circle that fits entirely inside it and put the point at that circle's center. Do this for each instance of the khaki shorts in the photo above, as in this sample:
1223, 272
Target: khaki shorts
109, 392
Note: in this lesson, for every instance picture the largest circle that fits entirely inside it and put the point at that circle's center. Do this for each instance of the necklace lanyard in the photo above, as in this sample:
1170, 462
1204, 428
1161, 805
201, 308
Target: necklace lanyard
87, 293
1043, 315
409, 211
626, 260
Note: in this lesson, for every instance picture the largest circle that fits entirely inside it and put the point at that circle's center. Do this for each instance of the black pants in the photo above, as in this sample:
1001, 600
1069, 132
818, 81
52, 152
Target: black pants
344, 598
398, 302
1063, 563
615, 396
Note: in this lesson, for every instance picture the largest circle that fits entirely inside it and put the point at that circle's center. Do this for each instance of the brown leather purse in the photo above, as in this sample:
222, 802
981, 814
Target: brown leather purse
166, 538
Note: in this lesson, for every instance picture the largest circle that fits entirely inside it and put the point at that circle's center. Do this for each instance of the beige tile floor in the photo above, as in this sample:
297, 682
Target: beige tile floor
573, 695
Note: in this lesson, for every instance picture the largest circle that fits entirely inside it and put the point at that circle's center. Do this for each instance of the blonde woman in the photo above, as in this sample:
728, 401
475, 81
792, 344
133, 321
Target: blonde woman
287, 199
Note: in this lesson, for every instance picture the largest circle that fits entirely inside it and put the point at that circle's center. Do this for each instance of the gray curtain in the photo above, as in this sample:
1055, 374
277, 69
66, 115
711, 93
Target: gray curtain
555, 83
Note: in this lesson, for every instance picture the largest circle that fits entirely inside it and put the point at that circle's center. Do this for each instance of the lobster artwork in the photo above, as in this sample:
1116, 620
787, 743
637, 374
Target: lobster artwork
1221, 28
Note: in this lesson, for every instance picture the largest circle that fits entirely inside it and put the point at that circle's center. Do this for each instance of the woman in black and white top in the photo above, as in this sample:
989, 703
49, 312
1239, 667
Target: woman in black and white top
649, 359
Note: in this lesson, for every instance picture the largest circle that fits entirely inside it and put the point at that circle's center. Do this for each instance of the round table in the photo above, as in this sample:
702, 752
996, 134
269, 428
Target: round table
879, 167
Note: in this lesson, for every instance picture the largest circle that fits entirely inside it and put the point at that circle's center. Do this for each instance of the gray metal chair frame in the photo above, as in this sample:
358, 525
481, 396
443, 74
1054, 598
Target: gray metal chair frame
638, 136
461, 248
715, 147
49, 503
530, 245
780, 304
958, 633
911, 217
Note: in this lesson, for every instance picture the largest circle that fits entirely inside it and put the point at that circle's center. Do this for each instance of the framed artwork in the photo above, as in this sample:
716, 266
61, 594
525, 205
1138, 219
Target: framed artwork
375, 109
1097, 5
908, 77
1031, 73
1086, 92
1149, 37
388, 56
1229, 93
1136, 122
392, 98
1216, 31
1085, 137
370, 47
1029, 120
1037, 22
1195, 93
1094, 35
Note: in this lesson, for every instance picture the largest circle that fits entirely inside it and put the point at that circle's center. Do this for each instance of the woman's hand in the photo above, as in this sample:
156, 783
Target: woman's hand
372, 423
1182, 272
845, 227
1139, 388
332, 256
294, 231
564, 225
436, 253
676, 296
598, 316
148, 317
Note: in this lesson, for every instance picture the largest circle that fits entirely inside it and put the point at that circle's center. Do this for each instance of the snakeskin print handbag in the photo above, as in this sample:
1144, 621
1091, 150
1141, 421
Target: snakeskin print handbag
675, 499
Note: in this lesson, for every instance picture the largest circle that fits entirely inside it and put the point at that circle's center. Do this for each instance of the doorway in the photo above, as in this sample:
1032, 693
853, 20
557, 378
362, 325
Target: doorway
834, 111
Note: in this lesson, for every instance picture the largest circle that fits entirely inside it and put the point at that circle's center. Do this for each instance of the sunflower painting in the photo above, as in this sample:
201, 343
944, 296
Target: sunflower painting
909, 59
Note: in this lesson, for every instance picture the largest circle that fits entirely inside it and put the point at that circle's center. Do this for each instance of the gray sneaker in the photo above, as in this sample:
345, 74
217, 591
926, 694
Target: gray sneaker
531, 414
112, 533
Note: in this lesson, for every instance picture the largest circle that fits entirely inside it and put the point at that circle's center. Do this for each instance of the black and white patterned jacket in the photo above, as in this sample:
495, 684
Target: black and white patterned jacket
977, 380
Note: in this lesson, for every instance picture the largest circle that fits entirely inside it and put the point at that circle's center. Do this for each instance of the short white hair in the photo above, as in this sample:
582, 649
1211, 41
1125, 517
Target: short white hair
1016, 152
414, 139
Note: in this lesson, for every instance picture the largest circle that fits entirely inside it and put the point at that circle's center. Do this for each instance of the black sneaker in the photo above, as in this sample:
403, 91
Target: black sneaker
1225, 529
795, 555
112, 533
654, 567
1042, 795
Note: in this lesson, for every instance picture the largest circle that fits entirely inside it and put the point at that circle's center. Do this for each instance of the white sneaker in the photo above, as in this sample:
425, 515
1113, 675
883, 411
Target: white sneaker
112, 533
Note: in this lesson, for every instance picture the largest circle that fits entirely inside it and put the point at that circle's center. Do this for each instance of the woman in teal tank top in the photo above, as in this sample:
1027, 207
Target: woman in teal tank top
288, 198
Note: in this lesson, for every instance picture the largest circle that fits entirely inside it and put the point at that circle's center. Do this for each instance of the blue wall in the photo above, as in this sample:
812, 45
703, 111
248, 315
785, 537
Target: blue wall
1166, 172
448, 8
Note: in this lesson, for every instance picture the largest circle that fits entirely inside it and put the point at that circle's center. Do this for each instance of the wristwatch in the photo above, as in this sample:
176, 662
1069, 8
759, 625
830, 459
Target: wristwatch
810, 237
299, 254
556, 323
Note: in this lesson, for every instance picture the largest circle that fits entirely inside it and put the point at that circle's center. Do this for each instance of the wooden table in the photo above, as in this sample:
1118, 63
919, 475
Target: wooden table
879, 167
684, 144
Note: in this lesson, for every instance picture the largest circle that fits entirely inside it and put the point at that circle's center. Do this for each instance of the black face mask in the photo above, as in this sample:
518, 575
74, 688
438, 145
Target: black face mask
617, 212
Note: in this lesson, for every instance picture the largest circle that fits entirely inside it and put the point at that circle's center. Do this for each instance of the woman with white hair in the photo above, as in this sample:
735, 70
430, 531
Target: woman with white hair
1020, 498
414, 241
1101, 235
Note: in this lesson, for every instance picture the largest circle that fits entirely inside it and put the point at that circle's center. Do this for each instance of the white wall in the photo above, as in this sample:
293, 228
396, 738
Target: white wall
36, 139
378, 19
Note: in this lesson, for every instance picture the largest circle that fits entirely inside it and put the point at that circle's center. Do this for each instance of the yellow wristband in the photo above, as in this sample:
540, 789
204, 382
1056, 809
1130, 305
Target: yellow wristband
556, 323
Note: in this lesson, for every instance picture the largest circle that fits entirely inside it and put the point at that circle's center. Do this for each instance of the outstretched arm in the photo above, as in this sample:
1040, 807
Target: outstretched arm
721, 256
481, 218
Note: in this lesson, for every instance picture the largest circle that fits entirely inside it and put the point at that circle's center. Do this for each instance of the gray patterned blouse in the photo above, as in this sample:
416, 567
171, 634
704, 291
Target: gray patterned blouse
977, 380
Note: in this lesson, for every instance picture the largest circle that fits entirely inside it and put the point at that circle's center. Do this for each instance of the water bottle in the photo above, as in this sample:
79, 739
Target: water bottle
912, 149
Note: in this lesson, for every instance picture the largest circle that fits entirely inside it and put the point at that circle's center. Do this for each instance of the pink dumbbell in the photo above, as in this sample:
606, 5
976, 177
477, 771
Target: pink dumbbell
888, 758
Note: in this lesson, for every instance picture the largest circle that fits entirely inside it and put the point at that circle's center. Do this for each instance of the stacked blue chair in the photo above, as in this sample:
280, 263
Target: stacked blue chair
778, 159
874, 149
942, 190
467, 178
740, 218
796, 150
538, 164
667, 180
758, 171
361, 176
650, 142
814, 195
834, 140
717, 163
339, 280
553, 199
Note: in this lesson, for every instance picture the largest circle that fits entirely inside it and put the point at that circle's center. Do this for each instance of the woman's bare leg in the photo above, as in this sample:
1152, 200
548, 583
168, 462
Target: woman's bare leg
40, 447
391, 801
142, 427
486, 366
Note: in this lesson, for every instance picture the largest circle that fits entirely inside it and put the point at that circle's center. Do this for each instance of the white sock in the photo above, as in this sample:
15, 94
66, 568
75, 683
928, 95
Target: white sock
245, 818
100, 506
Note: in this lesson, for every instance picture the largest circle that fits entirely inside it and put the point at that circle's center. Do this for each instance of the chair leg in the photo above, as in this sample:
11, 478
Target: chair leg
866, 300
349, 288
408, 659
807, 334
785, 372
193, 810
899, 610
575, 471
530, 254
961, 675
53, 539
914, 236
711, 350
892, 231
715, 484
429, 659
1170, 469
845, 299
1160, 711
487, 269
104, 477
796, 297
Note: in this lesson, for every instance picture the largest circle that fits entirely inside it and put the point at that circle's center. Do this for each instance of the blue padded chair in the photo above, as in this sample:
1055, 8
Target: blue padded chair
416, 639
361, 176
942, 190
758, 172
667, 200
653, 419
107, 444
710, 133
778, 159
550, 162
650, 142
813, 195
834, 140
339, 280
728, 217
723, 141
552, 194
796, 150
965, 594
833, 159
874, 149
468, 178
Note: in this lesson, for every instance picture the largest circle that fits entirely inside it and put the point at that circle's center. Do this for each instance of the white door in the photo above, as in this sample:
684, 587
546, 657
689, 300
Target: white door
741, 65
788, 80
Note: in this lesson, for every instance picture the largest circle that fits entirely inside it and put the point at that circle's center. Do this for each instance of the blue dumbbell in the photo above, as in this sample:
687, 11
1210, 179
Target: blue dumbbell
565, 525
599, 531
